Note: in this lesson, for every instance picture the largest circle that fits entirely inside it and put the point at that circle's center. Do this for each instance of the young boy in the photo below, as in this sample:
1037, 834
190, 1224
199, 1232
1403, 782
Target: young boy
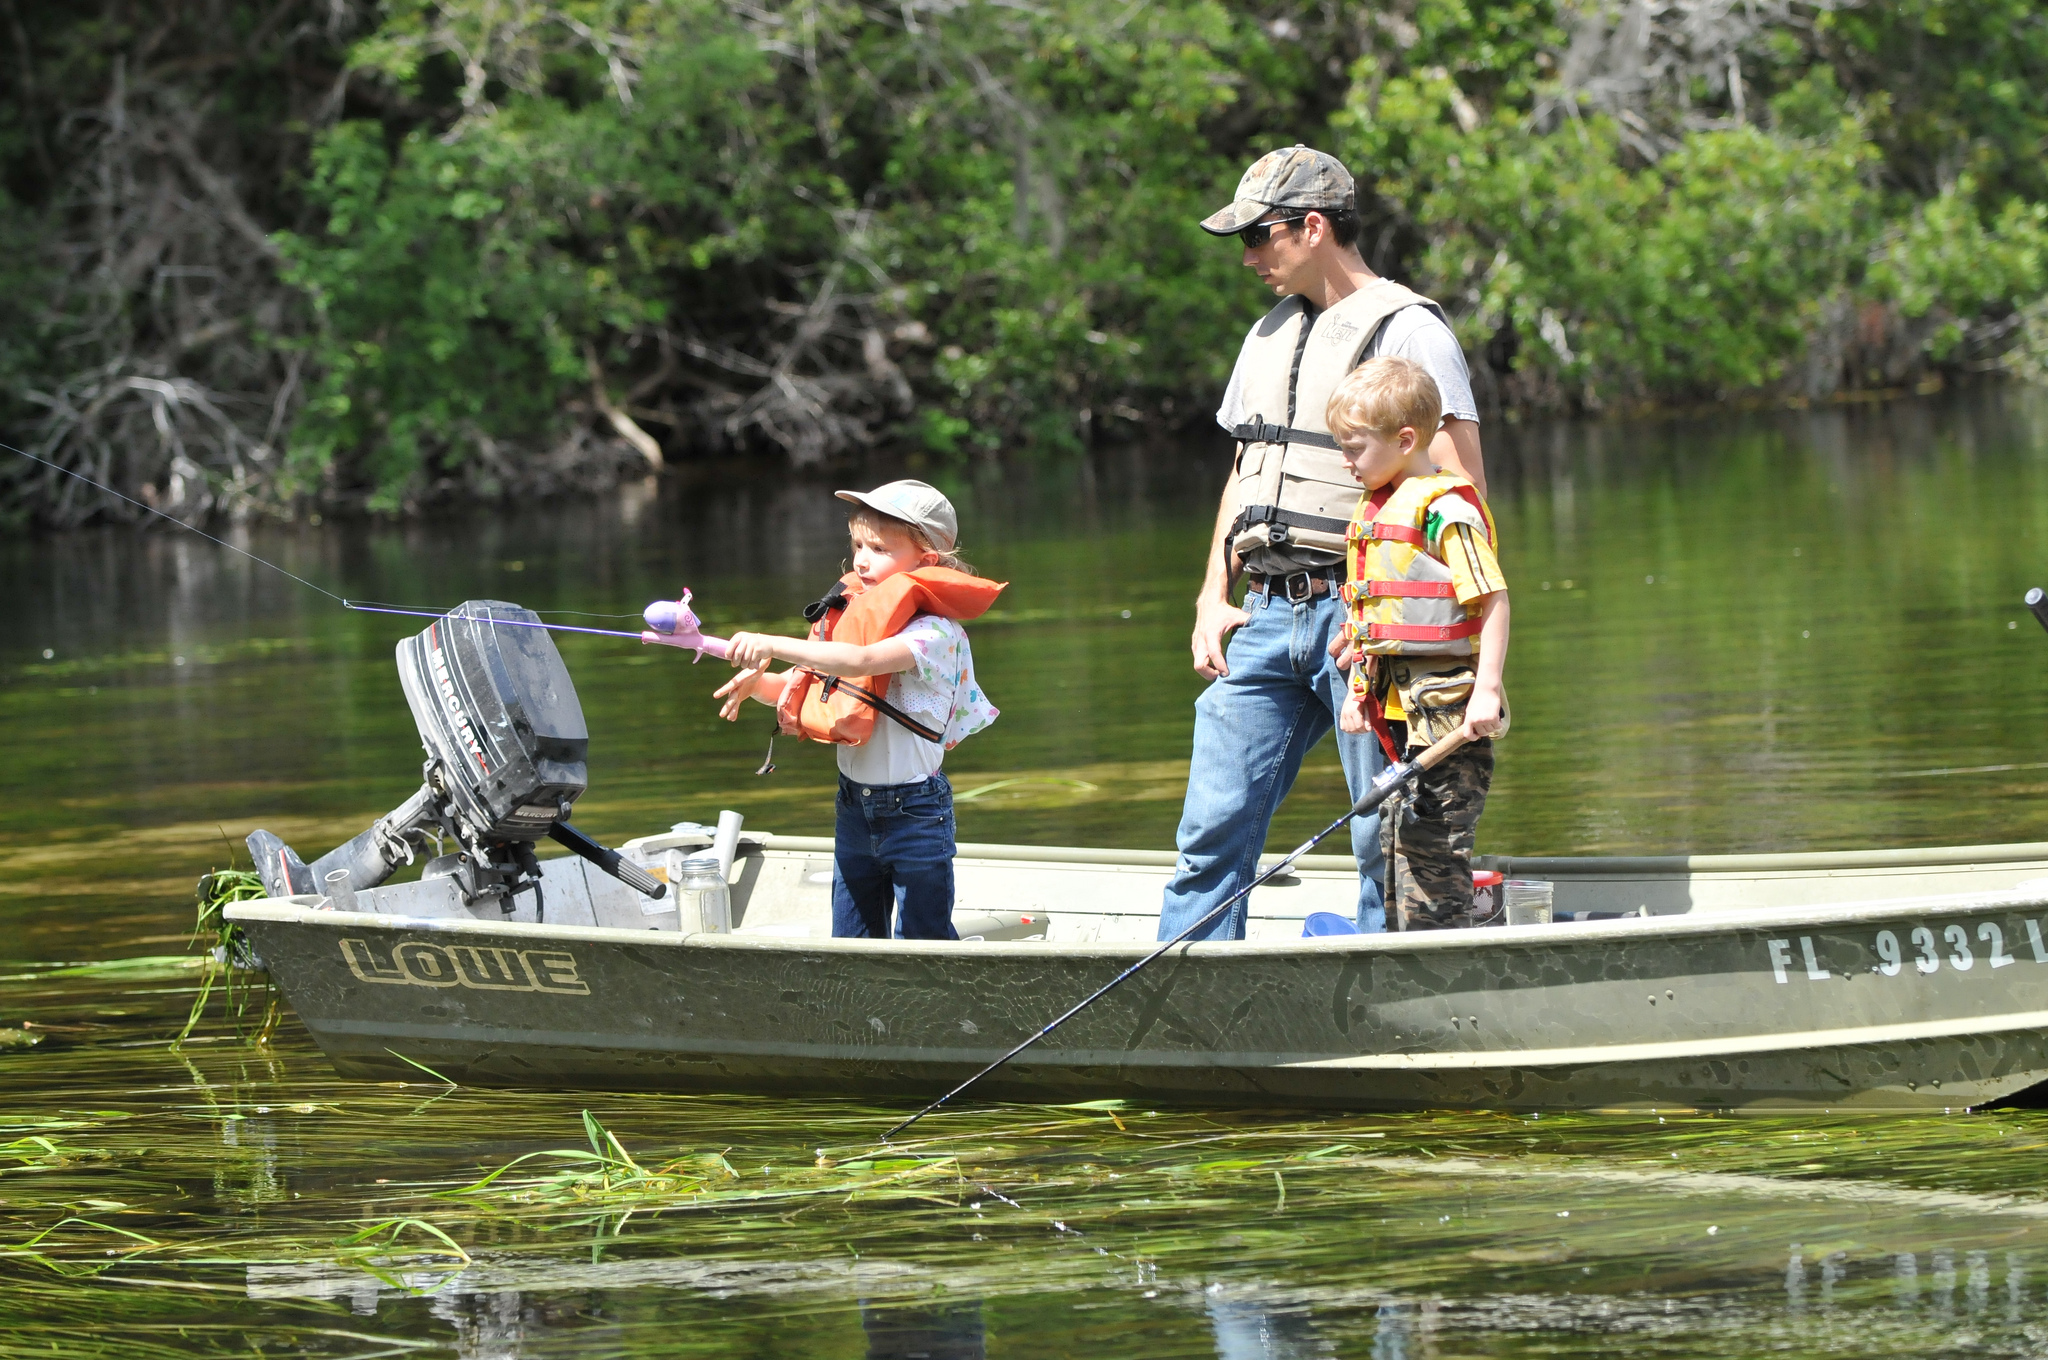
1429, 617
887, 676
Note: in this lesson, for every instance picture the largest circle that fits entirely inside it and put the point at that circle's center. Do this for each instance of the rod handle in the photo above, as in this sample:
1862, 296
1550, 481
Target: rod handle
2037, 601
609, 860
1391, 780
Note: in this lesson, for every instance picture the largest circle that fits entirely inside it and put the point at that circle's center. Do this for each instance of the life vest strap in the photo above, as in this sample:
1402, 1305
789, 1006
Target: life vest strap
1389, 532
882, 706
1258, 431
1411, 590
1283, 520
1417, 632
1376, 717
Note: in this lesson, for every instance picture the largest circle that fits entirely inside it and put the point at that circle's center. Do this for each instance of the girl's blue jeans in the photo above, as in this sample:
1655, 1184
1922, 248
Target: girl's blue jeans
892, 855
1252, 728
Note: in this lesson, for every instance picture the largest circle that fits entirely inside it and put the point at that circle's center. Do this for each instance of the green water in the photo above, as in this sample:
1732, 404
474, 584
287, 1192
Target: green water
1752, 633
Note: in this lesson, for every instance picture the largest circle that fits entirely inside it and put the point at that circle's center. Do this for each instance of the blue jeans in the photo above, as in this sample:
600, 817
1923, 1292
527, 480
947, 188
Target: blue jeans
1252, 728
892, 846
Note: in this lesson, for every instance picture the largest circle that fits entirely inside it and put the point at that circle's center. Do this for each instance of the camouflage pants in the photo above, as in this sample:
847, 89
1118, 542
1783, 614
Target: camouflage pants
1428, 836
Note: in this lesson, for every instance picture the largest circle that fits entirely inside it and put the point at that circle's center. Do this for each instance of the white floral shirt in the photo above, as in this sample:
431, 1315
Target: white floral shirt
940, 689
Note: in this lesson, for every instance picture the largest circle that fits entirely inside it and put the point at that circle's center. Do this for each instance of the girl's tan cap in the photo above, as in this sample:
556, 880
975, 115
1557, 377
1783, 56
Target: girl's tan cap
914, 503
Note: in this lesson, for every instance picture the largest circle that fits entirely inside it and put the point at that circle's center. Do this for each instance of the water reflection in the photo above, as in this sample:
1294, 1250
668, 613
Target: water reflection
1249, 1330
899, 1332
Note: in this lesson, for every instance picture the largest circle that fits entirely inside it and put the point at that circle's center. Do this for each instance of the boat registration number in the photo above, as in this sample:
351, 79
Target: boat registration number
482, 968
1954, 946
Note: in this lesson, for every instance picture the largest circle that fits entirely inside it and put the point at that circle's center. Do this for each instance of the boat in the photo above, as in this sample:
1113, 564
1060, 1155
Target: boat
1884, 980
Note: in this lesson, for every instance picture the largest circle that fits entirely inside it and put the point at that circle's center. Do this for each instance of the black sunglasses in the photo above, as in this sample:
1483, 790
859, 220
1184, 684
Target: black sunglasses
1258, 233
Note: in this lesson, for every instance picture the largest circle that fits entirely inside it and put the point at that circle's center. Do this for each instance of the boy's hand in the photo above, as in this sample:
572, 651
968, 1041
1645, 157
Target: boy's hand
1343, 648
1482, 713
1351, 715
737, 691
750, 651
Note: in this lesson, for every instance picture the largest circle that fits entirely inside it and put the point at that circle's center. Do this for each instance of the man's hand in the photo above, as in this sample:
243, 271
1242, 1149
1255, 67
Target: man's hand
738, 690
1351, 715
1482, 713
1214, 619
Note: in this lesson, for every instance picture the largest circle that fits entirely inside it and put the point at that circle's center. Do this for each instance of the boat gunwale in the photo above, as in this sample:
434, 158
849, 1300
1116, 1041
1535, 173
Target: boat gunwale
1572, 866
1674, 925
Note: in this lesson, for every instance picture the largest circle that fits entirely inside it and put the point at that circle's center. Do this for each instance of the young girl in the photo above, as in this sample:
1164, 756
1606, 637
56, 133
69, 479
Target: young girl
885, 674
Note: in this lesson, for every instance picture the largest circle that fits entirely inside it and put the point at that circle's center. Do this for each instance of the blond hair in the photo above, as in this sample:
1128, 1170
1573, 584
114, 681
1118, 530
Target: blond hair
874, 521
1383, 396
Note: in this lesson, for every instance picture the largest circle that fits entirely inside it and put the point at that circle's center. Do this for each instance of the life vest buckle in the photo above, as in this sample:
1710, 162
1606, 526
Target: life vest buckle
1258, 431
1276, 534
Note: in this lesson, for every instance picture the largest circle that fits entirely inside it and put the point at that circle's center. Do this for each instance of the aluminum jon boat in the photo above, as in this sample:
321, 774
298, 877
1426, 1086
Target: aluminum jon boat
1880, 980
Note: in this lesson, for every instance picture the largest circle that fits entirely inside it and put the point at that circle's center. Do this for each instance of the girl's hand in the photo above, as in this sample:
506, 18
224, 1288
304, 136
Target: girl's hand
751, 651
1351, 717
1482, 713
737, 691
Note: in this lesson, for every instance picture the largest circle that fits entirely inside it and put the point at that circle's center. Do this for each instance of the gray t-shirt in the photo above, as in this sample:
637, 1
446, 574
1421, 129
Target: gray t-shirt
1416, 333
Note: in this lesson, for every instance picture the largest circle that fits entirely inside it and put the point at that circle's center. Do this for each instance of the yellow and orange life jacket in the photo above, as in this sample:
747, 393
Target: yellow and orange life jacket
1399, 590
826, 708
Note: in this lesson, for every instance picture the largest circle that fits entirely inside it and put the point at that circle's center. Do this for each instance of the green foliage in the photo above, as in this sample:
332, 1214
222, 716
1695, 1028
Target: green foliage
1654, 253
462, 273
1007, 196
540, 244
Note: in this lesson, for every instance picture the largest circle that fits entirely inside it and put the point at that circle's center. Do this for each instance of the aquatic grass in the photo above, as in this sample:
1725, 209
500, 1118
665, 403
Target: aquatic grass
39, 1152
246, 1165
386, 1232
609, 1177
227, 955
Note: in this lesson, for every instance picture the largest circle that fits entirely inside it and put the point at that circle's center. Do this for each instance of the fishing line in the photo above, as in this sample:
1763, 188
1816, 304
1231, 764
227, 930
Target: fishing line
58, 467
502, 623
358, 606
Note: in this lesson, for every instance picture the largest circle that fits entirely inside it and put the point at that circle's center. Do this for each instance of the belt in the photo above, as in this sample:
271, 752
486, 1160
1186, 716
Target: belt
1298, 586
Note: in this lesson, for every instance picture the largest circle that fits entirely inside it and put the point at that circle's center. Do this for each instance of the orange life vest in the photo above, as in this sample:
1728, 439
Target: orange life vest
822, 708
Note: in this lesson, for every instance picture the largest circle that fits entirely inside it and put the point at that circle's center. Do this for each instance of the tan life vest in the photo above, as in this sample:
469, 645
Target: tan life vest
1292, 488
842, 710
1399, 591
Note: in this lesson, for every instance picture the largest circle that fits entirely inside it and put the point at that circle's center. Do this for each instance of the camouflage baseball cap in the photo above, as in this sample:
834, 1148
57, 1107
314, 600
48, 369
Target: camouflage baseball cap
1292, 177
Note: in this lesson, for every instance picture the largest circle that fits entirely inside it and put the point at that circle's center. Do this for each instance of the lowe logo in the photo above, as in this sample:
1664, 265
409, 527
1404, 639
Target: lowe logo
482, 968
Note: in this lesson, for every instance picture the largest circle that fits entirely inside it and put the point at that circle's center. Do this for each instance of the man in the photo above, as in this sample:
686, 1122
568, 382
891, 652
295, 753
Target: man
1282, 520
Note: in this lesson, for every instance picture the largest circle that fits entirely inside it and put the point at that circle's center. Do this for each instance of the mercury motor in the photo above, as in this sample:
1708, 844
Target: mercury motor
506, 761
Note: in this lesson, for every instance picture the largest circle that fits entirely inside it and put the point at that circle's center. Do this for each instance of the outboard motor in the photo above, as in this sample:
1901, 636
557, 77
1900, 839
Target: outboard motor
506, 749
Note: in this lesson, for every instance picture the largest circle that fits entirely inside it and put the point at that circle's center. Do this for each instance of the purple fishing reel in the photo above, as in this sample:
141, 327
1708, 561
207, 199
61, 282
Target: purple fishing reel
673, 624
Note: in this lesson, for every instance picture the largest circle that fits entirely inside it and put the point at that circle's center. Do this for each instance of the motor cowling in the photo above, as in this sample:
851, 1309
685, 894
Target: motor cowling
506, 760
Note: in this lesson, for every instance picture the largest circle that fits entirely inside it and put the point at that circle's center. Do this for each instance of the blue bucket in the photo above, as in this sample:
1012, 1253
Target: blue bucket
1327, 923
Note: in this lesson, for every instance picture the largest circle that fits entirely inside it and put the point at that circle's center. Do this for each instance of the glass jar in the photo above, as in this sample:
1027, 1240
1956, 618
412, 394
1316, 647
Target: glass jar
702, 898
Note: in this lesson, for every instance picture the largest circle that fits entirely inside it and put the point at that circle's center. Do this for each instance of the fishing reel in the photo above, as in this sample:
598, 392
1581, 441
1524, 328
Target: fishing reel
506, 761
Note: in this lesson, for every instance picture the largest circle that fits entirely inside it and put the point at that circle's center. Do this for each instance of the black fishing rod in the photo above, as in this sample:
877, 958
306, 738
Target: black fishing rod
1390, 782
2037, 601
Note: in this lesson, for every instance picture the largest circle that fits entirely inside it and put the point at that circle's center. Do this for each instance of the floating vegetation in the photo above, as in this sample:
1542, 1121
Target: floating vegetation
232, 1198
39, 1152
228, 957
610, 1178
